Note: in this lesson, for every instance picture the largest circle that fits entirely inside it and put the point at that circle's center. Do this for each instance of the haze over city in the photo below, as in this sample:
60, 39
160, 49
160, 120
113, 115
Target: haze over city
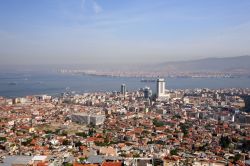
85, 32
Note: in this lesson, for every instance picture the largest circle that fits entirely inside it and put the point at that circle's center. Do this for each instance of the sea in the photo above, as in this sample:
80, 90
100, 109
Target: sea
25, 84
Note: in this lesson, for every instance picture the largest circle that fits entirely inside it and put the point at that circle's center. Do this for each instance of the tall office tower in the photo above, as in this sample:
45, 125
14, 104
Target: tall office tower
123, 89
147, 92
160, 87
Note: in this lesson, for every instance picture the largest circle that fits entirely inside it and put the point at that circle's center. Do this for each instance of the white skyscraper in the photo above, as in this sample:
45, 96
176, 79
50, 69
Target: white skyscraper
162, 93
160, 88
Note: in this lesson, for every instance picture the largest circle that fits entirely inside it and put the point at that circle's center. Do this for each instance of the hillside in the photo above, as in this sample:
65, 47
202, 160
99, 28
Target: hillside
228, 64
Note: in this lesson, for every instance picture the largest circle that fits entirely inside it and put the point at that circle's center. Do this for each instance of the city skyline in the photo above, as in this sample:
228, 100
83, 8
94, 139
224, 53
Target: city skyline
95, 31
125, 83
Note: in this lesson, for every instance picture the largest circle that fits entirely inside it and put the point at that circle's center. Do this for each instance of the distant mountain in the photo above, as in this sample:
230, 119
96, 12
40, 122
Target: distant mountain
208, 67
228, 64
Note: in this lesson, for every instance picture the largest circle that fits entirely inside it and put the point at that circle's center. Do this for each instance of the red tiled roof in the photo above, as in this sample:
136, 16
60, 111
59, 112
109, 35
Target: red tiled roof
42, 164
78, 164
93, 139
111, 164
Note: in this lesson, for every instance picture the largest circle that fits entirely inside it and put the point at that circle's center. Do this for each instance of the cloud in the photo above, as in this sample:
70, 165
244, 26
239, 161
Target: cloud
83, 4
96, 7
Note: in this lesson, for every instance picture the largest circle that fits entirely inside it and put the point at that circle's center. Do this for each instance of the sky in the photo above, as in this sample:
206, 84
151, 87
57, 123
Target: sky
37, 32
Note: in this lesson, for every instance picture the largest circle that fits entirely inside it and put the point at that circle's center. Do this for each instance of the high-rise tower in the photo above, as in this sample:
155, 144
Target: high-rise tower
160, 87
147, 92
123, 89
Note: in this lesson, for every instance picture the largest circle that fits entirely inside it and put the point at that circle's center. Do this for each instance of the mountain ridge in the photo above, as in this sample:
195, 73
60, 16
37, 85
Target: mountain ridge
213, 64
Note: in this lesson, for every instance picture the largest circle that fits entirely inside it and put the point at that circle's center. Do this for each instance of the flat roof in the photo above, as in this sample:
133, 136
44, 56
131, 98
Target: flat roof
9, 160
85, 114
39, 158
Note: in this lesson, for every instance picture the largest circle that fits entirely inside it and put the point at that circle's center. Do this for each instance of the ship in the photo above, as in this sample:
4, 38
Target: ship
12, 83
148, 80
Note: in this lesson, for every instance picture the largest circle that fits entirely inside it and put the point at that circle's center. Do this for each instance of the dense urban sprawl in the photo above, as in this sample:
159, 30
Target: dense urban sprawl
174, 127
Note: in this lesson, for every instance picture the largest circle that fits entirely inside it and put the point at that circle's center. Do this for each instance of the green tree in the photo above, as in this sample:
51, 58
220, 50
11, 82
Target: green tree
77, 144
48, 131
245, 145
174, 152
225, 141
3, 139
158, 123
184, 128
66, 142
177, 116
136, 155
237, 157
82, 159
27, 142
81, 134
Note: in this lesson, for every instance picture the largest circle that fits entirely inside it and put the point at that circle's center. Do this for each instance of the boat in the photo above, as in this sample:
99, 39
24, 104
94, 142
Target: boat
147, 80
12, 83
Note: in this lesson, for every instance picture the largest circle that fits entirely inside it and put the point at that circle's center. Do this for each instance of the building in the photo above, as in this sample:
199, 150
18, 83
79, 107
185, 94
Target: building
16, 160
87, 119
160, 89
123, 89
97, 119
147, 92
39, 160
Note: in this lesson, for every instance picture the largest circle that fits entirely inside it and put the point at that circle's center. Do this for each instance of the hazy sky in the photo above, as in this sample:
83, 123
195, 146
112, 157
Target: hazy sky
138, 31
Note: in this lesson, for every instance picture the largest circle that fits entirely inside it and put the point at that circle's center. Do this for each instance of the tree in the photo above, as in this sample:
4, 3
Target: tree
3, 139
27, 142
65, 142
91, 132
184, 128
64, 133
123, 154
237, 157
158, 123
136, 155
204, 147
48, 131
177, 116
225, 141
245, 145
82, 159
77, 144
174, 152
81, 134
